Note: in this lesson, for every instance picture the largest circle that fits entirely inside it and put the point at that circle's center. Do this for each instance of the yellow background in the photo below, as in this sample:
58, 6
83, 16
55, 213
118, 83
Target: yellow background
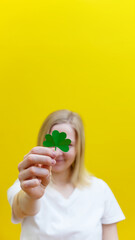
77, 55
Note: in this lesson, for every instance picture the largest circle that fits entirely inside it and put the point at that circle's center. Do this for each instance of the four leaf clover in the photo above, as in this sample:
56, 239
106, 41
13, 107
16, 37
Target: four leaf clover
57, 139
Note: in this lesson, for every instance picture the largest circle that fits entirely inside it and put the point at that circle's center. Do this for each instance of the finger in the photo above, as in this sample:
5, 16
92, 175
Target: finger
33, 172
51, 170
31, 183
45, 181
34, 159
48, 151
43, 151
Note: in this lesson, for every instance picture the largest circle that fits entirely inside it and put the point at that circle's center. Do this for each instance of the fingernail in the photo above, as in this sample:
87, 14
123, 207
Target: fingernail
53, 161
53, 154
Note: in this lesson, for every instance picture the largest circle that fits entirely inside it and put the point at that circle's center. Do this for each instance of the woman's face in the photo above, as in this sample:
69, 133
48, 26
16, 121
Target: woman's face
64, 159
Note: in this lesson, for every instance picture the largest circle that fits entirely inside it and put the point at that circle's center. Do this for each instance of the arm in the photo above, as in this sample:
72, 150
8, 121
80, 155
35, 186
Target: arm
24, 206
109, 231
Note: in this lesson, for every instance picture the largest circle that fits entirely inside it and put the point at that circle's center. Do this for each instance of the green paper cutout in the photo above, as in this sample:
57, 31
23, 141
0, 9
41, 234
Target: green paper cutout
57, 139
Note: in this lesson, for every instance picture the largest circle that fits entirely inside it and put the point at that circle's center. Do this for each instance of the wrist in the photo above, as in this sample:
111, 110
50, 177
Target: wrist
28, 205
18, 204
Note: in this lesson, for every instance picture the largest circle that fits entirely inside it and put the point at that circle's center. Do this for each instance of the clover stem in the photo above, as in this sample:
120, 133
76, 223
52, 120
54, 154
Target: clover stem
55, 148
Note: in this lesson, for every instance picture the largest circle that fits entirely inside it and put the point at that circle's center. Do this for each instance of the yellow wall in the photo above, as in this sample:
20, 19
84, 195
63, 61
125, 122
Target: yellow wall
77, 55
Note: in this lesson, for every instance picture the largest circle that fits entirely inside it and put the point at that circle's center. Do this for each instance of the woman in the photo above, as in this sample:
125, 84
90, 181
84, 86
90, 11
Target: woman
55, 197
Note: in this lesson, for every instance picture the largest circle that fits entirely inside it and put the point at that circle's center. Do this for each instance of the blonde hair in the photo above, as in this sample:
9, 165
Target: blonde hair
80, 177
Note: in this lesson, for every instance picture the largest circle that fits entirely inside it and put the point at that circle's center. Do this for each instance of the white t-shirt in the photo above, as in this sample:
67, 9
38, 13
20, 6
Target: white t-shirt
79, 217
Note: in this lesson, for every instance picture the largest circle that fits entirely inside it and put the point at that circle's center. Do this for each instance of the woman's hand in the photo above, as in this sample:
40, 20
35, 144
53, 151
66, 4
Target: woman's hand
35, 171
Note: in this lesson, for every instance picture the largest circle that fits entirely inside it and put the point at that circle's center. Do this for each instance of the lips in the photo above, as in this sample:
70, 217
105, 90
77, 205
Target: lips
58, 159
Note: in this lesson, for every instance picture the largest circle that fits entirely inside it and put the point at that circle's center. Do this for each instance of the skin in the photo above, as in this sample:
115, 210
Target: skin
109, 231
61, 170
33, 180
35, 169
61, 173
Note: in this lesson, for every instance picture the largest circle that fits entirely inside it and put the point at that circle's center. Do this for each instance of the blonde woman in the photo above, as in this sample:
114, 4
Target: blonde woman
55, 197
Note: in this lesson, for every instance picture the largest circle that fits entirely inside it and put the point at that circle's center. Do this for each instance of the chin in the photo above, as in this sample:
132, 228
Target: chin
57, 171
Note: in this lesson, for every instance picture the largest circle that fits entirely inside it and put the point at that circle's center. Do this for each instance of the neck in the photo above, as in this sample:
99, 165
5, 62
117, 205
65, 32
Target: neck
61, 179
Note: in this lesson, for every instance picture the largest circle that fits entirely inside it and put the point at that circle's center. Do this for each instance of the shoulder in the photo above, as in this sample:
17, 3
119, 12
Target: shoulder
102, 183
98, 182
103, 189
97, 186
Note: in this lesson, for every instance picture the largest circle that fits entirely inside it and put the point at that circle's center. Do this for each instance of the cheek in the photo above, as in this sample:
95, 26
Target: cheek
70, 153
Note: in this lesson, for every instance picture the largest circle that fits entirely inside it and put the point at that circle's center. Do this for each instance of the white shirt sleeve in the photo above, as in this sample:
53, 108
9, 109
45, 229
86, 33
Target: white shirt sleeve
11, 192
112, 211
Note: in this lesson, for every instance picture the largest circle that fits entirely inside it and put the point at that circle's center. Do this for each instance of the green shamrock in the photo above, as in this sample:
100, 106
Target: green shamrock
57, 139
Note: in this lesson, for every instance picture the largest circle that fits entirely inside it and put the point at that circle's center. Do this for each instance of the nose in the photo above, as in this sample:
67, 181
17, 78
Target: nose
58, 151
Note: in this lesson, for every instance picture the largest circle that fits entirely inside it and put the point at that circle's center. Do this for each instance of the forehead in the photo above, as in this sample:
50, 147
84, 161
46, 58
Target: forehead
65, 127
